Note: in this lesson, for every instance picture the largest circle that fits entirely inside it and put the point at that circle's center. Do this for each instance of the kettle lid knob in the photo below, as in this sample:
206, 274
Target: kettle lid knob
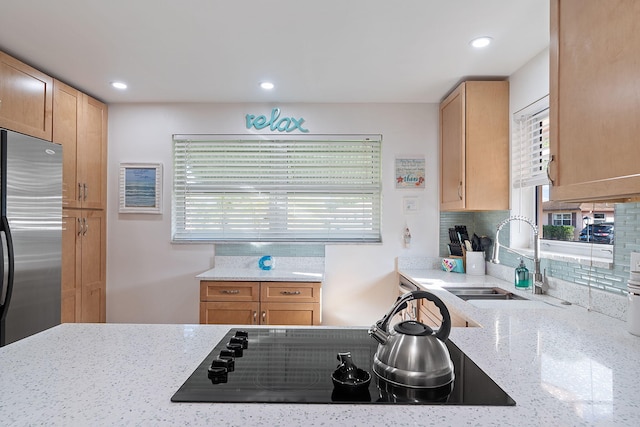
413, 328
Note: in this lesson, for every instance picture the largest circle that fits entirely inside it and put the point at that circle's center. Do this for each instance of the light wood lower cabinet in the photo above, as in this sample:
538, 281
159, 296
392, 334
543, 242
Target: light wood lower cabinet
429, 314
260, 303
425, 311
83, 266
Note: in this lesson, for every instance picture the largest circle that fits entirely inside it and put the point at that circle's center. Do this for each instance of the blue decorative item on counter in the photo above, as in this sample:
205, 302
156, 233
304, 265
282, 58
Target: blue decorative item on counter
266, 262
453, 265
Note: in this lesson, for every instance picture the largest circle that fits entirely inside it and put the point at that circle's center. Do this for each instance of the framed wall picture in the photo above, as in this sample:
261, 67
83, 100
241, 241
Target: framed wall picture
410, 172
141, 188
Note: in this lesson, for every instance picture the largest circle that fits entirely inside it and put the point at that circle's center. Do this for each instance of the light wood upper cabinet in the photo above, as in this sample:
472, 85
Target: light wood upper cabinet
80, 126
474, 147
25, 98
83, 266
594, 100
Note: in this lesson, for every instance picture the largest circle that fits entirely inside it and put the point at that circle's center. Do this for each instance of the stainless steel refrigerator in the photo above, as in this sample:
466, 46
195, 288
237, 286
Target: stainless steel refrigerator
31, 234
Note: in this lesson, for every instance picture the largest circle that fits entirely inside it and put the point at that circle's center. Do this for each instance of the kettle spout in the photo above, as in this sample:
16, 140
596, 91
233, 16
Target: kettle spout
379, 334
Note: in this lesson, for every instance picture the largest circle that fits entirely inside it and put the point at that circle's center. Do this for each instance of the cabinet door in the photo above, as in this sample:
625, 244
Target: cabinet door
452, 149
594, 103
92, 153
93, 235
429, 314
26, 98
229, 313
83, 266
67, 107
71, 248
486, 152
292, 292
283, 313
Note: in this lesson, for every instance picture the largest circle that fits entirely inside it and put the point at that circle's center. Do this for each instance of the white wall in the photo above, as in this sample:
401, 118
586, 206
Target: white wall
149, 280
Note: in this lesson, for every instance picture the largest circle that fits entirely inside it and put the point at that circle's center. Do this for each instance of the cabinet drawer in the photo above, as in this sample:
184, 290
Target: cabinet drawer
229, 291
290, 292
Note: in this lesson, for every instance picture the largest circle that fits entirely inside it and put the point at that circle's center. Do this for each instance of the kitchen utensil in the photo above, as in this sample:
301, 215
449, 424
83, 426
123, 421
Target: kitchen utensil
455, 249
485, 243
475, 243
348, 376
412, 354
461, 231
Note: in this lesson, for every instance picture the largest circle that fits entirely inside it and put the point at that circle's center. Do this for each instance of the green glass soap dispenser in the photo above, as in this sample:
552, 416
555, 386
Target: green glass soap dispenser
522, 277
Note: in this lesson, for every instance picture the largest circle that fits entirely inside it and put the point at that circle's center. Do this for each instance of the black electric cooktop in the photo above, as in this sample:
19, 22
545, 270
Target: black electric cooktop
295, 366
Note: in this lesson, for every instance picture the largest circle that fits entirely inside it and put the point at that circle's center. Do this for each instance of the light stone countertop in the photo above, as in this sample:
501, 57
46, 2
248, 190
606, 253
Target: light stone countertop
563, 365
285, 269
255, 274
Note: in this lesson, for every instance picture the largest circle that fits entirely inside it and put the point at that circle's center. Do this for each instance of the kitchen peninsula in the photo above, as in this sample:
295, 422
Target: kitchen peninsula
563, 365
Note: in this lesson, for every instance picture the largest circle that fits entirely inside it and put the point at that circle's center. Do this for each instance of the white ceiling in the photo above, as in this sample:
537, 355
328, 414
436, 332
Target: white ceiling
314, 51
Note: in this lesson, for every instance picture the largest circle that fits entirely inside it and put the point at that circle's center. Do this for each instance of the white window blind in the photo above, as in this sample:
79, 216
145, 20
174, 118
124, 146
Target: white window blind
530, 146
298, 189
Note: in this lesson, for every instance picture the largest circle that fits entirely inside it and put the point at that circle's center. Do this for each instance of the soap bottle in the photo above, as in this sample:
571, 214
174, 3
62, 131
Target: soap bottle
522, 279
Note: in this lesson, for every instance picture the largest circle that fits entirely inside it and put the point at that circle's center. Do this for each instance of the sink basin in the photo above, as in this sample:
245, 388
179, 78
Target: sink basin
477, 293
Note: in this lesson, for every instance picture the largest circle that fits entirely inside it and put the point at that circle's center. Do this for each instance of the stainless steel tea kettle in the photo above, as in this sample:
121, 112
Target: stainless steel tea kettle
412, 354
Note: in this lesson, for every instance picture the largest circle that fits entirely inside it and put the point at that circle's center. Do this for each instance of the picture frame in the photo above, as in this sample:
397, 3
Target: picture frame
410, 172
141, 188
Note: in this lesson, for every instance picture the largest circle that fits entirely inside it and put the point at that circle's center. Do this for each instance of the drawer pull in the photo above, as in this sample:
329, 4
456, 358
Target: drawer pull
290, 292
230, 291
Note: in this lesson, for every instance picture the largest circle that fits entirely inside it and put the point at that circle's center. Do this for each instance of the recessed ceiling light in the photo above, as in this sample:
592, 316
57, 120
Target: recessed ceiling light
119, 85
267, 85
480, 42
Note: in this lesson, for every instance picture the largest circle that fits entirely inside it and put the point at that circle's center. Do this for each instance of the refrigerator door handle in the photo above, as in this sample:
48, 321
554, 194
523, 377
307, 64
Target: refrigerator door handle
6, 288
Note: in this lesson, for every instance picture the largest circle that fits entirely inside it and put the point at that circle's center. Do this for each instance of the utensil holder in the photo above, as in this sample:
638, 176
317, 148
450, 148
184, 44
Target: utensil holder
475, 263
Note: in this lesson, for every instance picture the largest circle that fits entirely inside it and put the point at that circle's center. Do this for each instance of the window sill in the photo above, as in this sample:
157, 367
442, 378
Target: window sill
575, 253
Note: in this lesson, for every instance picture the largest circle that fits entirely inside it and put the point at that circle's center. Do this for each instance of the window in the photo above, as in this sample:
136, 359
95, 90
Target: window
530, 149
295, 189
562, 219
530, 156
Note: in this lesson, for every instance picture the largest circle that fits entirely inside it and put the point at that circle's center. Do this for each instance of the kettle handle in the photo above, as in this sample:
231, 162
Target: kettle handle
445, 328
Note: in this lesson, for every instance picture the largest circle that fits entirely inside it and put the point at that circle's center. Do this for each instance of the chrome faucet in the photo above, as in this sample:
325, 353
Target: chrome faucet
538, 284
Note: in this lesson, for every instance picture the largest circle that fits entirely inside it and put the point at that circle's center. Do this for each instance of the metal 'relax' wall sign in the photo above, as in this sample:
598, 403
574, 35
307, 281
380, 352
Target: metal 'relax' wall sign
275, 123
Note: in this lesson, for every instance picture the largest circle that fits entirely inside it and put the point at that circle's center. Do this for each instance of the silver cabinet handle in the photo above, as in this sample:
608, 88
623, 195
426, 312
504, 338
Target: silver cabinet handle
264, 317
79, 192
79, 227
460, 190
255, 317
86, 226
290, 292
230, 291
84, 191
551, 159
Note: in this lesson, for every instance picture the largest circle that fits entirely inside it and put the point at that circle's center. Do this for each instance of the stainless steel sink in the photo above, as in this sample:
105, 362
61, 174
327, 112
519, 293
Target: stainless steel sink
467, 293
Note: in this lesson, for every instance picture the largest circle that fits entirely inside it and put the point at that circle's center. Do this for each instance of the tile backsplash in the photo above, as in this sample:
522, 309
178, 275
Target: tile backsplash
568, 277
